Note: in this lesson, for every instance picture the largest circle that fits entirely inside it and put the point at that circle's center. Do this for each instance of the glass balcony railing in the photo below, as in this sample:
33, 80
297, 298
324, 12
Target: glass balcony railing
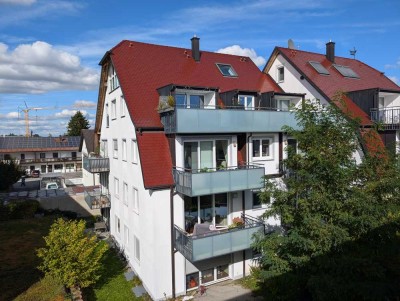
96, 164
228, 120
388, 117
97, 200
217, 242
210, 181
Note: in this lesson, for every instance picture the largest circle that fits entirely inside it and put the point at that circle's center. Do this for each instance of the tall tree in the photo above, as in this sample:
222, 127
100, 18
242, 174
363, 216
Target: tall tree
71, 255
334, 212
77, 123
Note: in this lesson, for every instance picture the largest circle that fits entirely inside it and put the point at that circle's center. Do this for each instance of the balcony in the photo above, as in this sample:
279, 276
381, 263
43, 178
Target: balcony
97, 200
49, 160
389, 118
228, 120
96, 164
211, 181
217, 242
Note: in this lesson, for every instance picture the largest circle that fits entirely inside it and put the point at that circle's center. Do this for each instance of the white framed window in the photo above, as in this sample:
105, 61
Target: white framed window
247, 101
227, 70
124, 149
126, 237
104, 148
117, 224
113, 109
134, 151
135, 200
116, 187
280, 74
114, 82
283, 104
262, 148
107, 116
137, 248
125, 194
122, 106
115, 148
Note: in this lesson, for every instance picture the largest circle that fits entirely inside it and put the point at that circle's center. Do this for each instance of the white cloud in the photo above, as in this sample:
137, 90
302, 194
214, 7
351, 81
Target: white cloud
18, 2
396, 65
69, 113
395, 79
84, 104
12, 115
250, 52
40, 68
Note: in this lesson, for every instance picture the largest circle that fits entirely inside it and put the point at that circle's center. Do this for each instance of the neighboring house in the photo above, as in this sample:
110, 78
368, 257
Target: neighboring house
185, 138
86, 147
46, 154
370, 95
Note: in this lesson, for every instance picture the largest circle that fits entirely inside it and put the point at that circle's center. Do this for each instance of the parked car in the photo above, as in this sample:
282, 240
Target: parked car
52, 185
35, 173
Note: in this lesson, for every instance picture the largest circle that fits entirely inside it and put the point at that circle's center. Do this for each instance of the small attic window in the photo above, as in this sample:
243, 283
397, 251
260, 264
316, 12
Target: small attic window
319, 68
227, 70
346, 71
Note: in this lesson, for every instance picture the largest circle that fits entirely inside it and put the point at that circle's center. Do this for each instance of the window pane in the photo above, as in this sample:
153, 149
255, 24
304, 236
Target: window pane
207, 275
249, 102
222, 271
265, 148
256, 200
221, 209
192, 280
206, 154
221, 147
196, 101
284, 104
256, 148
190, 153
191, 213
180, 100
206, 214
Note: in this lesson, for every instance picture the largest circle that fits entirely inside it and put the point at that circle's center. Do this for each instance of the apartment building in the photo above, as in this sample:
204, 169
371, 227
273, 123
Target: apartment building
185, 138
370, 96
46, 154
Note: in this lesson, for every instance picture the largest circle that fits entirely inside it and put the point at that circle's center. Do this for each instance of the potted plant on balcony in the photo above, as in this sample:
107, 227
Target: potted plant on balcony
236, 223
166, 103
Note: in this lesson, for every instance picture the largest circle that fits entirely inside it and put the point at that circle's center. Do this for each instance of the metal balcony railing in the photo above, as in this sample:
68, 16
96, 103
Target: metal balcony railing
217, 242
210, 180
96, 164
388, 117
227, 120
97, 200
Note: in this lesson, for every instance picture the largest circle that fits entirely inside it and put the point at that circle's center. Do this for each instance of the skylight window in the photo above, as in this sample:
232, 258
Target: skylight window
346, 71
227, 70
319, 68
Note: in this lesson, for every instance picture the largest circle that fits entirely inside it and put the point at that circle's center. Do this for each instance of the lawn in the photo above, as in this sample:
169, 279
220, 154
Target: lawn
18, 262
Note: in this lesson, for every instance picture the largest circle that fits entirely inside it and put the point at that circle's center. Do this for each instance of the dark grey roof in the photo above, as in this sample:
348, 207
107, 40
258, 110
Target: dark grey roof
14, 143
88, 136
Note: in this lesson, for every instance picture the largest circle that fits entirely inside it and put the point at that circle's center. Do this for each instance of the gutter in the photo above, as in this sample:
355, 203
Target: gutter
171, 201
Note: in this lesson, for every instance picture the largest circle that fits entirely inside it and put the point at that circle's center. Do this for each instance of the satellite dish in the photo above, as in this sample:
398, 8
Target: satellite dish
291, 44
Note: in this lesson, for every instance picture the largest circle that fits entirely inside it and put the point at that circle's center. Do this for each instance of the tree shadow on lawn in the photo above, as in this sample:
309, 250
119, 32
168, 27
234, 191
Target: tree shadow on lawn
112, 267
365, 269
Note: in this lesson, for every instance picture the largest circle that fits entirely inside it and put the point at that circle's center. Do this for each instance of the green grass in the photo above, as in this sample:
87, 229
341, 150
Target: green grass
20, 279
18, 260
112, 284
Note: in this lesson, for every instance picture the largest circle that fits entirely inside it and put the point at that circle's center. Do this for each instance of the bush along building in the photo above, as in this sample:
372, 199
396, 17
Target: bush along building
370, 96
187, 136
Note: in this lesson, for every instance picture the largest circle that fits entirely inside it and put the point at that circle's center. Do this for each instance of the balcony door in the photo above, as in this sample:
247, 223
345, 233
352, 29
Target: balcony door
193, 101
211, 209
206, 155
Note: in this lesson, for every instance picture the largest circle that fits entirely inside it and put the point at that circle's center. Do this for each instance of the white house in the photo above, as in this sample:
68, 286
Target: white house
46, 154
185, 138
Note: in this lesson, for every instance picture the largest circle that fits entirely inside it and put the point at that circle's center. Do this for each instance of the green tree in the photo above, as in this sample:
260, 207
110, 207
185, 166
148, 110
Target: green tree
71, 255
10, 172
77, 123
334, 213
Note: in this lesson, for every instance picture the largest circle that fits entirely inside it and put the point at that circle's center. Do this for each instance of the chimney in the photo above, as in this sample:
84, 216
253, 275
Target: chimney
196, 48
330, 51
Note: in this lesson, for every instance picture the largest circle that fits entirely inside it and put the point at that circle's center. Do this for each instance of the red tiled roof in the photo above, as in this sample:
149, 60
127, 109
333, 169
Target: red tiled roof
155, 159
369, 77
142, 68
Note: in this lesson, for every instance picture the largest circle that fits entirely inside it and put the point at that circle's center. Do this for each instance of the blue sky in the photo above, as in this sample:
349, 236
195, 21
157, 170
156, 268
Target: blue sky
50, 49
